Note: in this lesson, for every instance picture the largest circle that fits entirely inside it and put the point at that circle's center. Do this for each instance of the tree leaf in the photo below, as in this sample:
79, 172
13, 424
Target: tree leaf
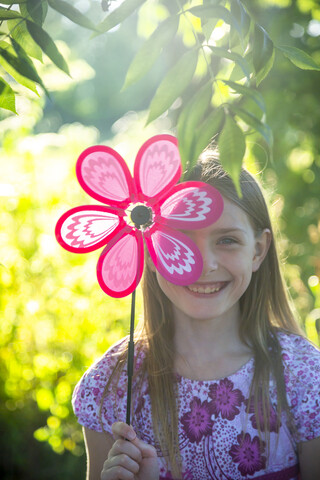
173, 85
47, 45
235, 57
151, 50
256, 123
37, 10
248, 92
189, 120
299, 58
232, 147
237, 72
21, 64
208, 27
6, 14
7, 98
26, 82
20, 33
119, 15
72, 13
266, 69
12, 2
207, 11
209, 128
243, 18
262, 48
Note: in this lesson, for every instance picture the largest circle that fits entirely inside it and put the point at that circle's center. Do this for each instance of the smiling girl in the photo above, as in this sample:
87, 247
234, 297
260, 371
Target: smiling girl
226, 386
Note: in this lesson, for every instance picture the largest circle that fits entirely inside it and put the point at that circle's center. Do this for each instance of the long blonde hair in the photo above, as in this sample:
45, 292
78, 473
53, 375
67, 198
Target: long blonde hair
265, 308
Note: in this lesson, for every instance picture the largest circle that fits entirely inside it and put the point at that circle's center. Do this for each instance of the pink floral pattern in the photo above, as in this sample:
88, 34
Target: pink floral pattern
216, 442
273, 425
247, 453
226, 399
197, 421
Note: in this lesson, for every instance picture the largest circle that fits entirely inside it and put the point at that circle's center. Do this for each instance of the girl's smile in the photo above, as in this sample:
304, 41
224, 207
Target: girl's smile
206, 289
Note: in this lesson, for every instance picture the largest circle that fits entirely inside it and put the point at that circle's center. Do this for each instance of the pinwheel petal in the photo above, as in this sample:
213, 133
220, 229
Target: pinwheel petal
175, 256
120, 265
157, 167
191, 205
105, 176
86, 228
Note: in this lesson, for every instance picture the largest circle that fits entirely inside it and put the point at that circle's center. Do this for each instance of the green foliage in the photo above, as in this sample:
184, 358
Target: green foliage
47, 45
151, 50
232, 147
7, 99
72, 13
248, 46
299, 58
6, 14
117, 16
245, 44
25, 32
169, 89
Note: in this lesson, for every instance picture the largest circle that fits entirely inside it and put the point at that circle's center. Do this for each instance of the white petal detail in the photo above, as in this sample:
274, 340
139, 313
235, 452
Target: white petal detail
191, 205
84, 229
175, 256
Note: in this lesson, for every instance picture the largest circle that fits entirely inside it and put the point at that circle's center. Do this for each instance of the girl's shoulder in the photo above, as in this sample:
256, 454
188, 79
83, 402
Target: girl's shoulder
90, 389
301, 368
298, 351
102, 368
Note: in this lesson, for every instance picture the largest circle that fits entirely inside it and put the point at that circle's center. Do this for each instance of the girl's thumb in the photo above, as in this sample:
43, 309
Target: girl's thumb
146, 449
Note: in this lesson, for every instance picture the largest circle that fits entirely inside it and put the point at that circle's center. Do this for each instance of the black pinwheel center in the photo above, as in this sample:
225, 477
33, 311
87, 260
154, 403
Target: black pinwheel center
141, 215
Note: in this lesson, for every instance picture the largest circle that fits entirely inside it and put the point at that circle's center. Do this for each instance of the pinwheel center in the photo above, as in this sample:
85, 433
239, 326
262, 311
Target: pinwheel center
141, 215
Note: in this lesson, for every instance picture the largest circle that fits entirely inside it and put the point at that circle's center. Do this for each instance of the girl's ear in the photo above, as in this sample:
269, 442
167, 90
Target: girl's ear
262, 245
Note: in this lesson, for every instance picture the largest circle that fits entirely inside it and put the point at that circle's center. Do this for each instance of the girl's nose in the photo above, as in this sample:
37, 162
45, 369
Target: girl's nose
210, 261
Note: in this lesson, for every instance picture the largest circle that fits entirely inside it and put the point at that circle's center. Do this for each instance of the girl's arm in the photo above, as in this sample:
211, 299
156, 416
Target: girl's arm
98, 446
309, 459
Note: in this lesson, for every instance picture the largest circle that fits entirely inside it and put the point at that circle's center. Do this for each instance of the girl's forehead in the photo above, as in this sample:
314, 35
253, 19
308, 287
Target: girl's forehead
232, 217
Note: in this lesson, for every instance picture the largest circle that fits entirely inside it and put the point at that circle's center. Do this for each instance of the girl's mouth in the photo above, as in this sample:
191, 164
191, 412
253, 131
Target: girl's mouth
207, 289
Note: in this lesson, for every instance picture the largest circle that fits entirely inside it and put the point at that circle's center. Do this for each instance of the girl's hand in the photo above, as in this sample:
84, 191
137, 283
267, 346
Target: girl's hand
130, 460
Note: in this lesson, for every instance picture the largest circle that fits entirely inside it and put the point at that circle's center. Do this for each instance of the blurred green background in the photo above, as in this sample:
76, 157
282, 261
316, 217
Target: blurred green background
55, 320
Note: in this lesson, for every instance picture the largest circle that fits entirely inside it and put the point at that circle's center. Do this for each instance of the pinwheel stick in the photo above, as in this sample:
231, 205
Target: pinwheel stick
130, 356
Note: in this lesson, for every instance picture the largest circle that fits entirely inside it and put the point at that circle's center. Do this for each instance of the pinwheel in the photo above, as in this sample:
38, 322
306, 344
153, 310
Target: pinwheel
149, 207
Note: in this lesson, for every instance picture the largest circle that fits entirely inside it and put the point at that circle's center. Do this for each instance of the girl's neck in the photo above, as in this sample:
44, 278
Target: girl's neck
208, 348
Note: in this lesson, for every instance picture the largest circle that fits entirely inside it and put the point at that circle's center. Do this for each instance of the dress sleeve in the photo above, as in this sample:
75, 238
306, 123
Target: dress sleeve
87, 395
302, 376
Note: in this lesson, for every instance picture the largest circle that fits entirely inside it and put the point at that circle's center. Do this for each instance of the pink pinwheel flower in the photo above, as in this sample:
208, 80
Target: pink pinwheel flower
148, 206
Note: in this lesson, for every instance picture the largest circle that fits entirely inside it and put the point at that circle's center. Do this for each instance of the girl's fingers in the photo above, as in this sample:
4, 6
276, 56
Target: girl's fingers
147, 451
116, 473
122, 447
121, 463
122, 430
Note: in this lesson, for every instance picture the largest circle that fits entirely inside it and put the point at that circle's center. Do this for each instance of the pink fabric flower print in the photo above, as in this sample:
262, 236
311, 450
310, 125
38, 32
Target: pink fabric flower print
248, 454
146, 206
225, 399
197, 422
273, 425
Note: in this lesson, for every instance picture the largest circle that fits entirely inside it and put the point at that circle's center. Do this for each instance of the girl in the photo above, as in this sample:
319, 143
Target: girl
226, 386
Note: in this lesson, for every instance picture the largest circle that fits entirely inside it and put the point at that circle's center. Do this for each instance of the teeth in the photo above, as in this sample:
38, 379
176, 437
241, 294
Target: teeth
198, 289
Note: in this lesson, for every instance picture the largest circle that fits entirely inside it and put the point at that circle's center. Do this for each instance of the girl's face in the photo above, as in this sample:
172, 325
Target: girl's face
231, 252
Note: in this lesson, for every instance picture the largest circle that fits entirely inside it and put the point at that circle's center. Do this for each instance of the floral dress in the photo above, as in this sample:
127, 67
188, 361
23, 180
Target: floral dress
217, 438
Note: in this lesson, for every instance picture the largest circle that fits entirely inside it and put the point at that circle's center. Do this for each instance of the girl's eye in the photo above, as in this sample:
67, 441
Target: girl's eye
227, 241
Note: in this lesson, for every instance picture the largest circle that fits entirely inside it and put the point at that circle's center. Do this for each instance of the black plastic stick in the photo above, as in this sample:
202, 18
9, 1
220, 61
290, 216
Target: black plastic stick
130, 357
